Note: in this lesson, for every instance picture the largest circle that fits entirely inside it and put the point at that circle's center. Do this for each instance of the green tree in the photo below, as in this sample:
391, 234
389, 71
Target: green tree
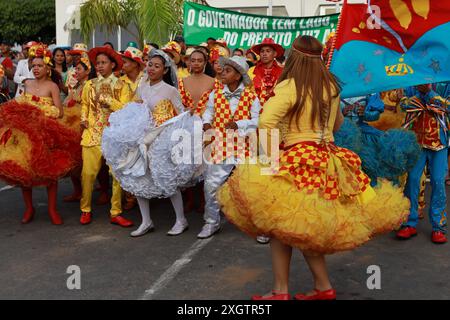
24, 20
154, 20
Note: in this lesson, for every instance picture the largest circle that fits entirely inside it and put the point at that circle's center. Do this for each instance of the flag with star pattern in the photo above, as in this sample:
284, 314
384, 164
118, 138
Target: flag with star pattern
387, 44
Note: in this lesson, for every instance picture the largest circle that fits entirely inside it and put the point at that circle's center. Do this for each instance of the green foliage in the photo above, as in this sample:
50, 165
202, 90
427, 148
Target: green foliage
154, 20
24, 20
161, 19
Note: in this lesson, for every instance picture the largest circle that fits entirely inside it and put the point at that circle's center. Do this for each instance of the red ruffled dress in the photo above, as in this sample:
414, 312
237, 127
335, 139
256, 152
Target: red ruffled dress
36, 148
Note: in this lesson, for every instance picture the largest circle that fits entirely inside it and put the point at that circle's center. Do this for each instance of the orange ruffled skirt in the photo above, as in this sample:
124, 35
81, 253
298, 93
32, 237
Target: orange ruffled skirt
35, 149
320, 201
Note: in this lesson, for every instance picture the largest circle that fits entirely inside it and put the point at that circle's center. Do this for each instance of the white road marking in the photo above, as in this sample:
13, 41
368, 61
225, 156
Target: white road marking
176, 267
6, 188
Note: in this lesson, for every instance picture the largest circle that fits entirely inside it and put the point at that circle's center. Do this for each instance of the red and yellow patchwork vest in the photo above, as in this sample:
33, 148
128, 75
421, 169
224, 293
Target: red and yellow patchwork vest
427, 131
223, 115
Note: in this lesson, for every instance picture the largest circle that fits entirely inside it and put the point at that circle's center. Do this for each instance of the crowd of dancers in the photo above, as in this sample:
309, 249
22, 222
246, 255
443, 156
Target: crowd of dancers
342, 171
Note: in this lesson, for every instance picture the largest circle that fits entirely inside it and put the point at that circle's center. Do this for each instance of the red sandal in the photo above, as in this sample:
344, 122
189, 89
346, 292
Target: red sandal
329, 294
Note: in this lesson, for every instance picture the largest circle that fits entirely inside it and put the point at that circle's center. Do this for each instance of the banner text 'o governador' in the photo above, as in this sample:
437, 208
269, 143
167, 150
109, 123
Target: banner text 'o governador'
242, 30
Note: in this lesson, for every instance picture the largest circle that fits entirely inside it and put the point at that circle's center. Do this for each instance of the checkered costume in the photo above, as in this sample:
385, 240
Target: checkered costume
188, 101
230, 146
308, 163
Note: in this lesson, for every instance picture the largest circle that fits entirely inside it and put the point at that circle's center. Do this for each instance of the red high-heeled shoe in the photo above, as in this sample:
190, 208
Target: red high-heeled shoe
275, 296
319, 295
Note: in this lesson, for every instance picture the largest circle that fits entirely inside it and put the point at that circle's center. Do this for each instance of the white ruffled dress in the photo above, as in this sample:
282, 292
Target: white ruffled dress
143, 143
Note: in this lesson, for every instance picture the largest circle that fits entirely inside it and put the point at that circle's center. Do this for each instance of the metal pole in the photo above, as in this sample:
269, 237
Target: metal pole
119, 39
93, 39
270, 11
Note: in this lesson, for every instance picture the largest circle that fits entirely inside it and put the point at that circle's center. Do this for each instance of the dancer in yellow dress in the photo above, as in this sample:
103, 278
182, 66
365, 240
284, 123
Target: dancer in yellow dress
319, 201
36, 147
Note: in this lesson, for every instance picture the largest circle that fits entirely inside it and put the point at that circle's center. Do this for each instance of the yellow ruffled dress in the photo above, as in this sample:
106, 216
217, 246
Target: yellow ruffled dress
319, 200
45, 104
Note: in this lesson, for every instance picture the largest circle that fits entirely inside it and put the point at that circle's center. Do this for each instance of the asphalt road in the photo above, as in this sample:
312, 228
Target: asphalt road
35, 258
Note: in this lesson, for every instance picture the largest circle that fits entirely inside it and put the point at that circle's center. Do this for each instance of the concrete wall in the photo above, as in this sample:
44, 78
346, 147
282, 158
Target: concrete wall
64, 12
67, 28
294, 8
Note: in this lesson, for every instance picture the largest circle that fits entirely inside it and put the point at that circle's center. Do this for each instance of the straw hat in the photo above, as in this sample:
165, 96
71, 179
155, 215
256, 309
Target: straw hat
174, 49
78, 48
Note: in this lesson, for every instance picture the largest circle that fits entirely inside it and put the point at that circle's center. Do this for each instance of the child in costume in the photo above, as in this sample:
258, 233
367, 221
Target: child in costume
233, 109
96, 108
140, 148
319, 201
36, 147
80, 50
427, 115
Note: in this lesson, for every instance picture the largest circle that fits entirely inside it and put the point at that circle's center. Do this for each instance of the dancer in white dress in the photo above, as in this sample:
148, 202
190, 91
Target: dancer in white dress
142, 144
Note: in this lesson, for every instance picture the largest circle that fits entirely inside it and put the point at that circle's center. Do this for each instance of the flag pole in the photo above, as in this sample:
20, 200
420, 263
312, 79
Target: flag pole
333, 43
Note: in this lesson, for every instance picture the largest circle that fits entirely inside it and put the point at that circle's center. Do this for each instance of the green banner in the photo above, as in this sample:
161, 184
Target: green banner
245, 30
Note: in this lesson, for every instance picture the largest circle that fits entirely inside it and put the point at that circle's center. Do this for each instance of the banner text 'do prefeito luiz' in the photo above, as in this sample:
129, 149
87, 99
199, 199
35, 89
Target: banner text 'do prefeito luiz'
245, 30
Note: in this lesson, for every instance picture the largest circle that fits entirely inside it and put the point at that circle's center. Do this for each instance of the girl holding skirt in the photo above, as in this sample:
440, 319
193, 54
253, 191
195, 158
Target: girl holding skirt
141, 143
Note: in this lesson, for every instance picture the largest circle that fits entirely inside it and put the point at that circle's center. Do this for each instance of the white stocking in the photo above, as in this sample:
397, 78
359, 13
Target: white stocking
144, 206
177, 202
